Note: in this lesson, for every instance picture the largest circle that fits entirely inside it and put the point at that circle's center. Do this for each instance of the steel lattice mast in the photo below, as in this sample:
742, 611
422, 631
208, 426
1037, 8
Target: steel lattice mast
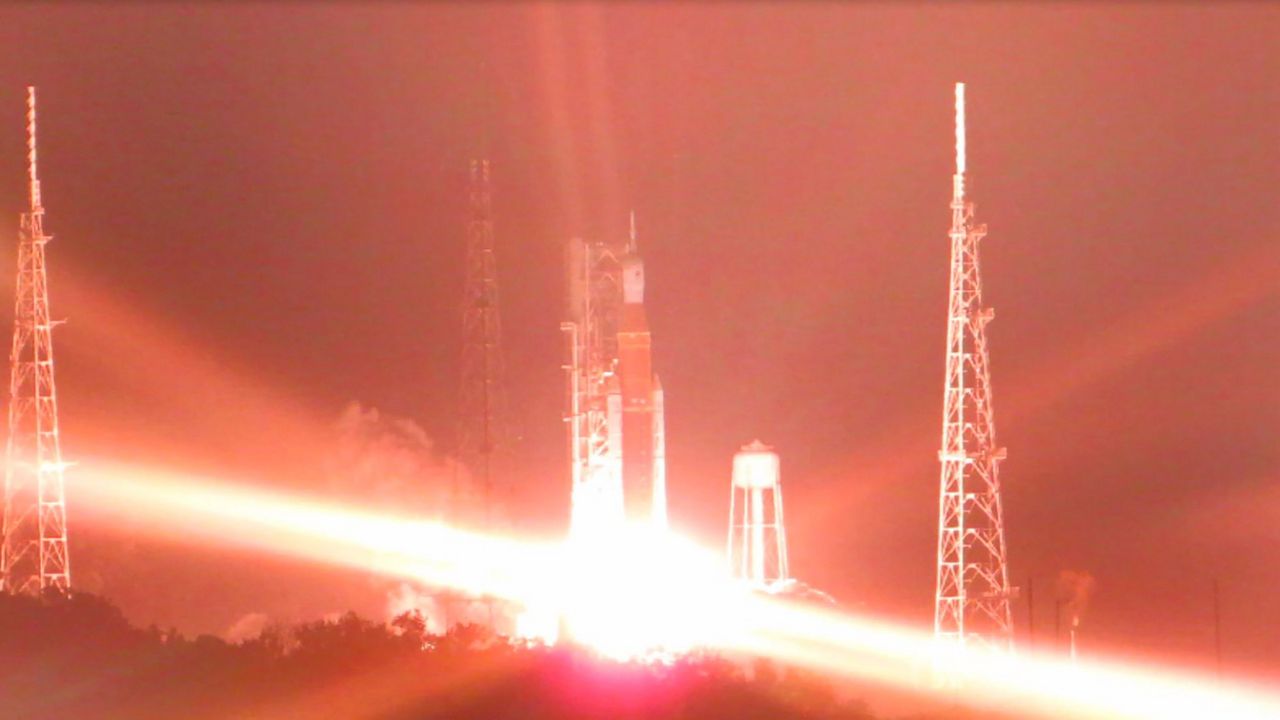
593, 404
34, 555
482, 427
973, 595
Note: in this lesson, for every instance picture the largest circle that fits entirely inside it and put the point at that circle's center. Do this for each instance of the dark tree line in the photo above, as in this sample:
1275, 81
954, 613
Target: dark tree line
77, 657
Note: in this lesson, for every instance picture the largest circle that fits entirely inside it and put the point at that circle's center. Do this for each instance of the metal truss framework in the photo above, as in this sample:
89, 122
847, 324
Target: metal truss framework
483, 430
34, 554
973, 594
593, 408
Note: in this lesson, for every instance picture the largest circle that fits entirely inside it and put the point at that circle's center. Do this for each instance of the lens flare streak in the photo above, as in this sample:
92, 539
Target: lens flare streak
642, 592
1046, 686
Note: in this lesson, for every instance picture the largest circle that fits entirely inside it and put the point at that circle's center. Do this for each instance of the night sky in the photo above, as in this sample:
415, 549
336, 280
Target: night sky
259, 218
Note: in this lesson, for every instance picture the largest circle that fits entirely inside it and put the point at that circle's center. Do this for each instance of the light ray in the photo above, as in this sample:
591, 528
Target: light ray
672, 595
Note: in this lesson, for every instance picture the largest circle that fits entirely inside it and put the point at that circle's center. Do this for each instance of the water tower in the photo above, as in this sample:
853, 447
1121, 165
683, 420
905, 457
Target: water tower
757, 549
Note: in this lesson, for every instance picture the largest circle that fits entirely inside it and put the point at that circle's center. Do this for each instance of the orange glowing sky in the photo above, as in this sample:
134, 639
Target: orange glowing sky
258, 220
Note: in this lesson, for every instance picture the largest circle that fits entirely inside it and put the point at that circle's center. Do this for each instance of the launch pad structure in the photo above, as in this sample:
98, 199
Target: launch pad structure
614, 404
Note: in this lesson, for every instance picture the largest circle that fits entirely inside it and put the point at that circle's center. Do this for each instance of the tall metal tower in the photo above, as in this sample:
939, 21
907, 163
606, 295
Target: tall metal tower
483, 432
593, 402
34, 555
973, 594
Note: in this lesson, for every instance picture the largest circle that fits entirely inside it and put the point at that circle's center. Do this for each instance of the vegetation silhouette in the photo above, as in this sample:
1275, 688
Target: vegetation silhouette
78, 657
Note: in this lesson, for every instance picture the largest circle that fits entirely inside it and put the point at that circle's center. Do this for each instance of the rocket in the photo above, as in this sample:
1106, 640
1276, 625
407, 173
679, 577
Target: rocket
643, 442
659, 456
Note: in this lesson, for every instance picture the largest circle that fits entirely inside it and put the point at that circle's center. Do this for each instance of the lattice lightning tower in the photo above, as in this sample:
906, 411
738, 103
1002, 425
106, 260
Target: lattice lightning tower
34, 554
973, 595
482, 428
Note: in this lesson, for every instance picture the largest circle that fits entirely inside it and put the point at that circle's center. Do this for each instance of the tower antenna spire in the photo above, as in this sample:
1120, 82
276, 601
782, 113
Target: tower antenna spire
32, 176
973, 595
960, 131
34, 553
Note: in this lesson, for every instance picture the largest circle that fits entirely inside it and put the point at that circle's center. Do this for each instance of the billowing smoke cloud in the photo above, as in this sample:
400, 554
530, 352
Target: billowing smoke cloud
247, 627
406, 598
384, 461
390, 462
1075, 588
442, 609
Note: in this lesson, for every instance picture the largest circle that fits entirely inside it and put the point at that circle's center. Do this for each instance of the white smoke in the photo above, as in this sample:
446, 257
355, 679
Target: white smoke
407, 599
248, 627
1075, 589
383, 461
441, 609
390, 462
386, 461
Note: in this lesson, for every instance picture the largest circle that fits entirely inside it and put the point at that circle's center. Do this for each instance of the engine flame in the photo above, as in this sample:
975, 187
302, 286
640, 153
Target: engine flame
644, 592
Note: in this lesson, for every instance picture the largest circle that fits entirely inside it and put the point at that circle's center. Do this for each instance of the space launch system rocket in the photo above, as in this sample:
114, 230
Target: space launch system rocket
642, 422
